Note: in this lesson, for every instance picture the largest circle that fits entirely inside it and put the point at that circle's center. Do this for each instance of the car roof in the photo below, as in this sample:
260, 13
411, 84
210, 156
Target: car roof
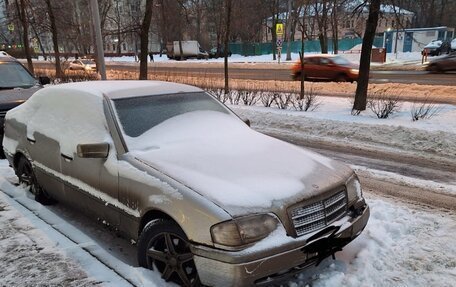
7, 58
126, 89
320, 56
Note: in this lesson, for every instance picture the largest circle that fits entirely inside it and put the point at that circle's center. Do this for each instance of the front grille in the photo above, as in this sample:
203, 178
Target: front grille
308, 218
2, 114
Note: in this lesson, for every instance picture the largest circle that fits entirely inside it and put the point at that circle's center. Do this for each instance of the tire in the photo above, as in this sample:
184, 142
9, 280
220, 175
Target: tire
26, 176
341, 78
435, 69
297, 77
176, 263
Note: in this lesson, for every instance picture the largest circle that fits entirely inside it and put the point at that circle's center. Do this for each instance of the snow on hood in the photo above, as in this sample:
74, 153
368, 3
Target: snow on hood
221, 158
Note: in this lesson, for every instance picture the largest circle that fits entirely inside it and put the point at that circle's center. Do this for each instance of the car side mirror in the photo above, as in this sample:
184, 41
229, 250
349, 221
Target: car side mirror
97, 150
44, 80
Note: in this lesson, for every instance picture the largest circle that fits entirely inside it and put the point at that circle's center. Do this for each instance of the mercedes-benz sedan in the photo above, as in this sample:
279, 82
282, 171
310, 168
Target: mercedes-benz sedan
208, 199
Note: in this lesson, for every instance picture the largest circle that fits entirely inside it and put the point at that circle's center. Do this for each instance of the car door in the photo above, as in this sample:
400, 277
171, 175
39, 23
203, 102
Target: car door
45, 154
327, 69
90, 185
311, 67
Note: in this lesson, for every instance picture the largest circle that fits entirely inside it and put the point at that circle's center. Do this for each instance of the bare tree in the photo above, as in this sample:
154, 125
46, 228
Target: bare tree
21, 12
144, 38
364, 67
55, 38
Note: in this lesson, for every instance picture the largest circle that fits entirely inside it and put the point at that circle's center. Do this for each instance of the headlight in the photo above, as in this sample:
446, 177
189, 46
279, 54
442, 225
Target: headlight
244, 230
354, 190
354, 71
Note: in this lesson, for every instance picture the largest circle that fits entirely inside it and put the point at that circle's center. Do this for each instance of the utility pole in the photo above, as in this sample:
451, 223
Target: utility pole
98, 40
288, 29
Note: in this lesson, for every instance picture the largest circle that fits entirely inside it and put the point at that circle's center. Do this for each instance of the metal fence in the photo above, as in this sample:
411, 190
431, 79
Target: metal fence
256, 49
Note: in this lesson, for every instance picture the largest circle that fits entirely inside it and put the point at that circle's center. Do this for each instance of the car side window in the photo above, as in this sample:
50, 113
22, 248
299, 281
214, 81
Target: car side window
69, 117
324, 61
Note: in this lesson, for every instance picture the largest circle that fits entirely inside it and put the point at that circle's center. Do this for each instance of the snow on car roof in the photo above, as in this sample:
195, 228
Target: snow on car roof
126, 89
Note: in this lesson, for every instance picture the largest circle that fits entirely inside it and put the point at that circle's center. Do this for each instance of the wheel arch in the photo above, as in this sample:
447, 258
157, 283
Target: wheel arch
152, 215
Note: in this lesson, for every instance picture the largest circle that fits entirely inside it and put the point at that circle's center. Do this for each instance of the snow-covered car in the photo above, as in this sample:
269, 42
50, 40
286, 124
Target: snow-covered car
442, 64
84, 64
437, 47
207, 199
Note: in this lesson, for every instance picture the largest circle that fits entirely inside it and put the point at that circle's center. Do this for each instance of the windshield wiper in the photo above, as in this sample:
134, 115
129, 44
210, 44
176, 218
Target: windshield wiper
6, 88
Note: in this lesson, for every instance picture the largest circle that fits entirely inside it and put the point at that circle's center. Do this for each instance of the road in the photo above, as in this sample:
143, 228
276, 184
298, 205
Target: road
271, 72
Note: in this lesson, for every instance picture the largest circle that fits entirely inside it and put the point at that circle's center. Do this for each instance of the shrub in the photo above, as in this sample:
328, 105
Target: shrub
383, 105
424, 110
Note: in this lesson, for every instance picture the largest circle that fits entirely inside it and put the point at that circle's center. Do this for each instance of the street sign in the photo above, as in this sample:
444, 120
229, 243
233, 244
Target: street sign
279, 29
11, 27
279, 42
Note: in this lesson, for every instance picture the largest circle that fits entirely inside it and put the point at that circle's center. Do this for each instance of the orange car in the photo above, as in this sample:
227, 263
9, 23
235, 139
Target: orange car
326, 67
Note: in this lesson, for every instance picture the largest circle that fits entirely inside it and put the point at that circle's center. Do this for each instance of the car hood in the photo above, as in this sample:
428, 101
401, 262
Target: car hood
237, 168
14, 97
433, 45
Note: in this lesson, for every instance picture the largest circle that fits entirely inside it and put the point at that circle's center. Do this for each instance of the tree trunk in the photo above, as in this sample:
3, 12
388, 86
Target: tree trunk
335, 27
25, 34
364, 67
144, 39
55, 40
227, 38
301, 58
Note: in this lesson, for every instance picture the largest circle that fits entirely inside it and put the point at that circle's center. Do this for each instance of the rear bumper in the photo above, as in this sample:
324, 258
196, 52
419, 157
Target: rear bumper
253, 268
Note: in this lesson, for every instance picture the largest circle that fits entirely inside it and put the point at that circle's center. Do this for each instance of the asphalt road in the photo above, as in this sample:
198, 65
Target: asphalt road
279, 74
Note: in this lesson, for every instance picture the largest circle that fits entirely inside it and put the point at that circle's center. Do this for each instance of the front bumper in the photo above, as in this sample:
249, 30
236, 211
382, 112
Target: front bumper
257, 267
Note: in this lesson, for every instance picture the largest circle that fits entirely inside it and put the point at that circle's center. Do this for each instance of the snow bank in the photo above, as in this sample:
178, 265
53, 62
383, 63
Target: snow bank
332, 122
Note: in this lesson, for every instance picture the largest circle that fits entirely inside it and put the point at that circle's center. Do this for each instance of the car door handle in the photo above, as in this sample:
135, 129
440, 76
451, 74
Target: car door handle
68, 158
31, 140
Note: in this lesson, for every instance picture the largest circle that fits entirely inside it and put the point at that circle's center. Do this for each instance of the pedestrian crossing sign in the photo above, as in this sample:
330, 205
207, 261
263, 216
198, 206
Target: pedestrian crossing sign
279, 29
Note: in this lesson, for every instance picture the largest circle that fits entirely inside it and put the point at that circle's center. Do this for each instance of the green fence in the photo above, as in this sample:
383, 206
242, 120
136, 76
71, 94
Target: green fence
255, 49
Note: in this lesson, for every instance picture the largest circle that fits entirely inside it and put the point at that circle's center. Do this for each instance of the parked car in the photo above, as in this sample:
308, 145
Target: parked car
207, 199
453, 45
437, 47
17, 84
442, 64
87, 65
326, 67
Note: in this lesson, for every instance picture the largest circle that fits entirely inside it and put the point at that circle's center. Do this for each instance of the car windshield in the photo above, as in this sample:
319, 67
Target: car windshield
140, 114
339, 60
14, 75
87, 62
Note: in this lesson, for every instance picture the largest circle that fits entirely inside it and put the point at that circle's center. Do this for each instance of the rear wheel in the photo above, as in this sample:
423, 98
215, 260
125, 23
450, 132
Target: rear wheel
341, 78
26, 175
163, 246
435, 69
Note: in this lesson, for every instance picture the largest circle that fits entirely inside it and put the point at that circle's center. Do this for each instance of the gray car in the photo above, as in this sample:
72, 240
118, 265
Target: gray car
442, 64
207, 199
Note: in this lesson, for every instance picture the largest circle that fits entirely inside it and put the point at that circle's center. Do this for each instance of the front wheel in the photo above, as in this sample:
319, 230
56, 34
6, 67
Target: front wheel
163, 246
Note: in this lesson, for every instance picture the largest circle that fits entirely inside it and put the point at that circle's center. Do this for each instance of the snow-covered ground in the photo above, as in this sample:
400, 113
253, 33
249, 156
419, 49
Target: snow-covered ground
401, 57
403, 245
353, 56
